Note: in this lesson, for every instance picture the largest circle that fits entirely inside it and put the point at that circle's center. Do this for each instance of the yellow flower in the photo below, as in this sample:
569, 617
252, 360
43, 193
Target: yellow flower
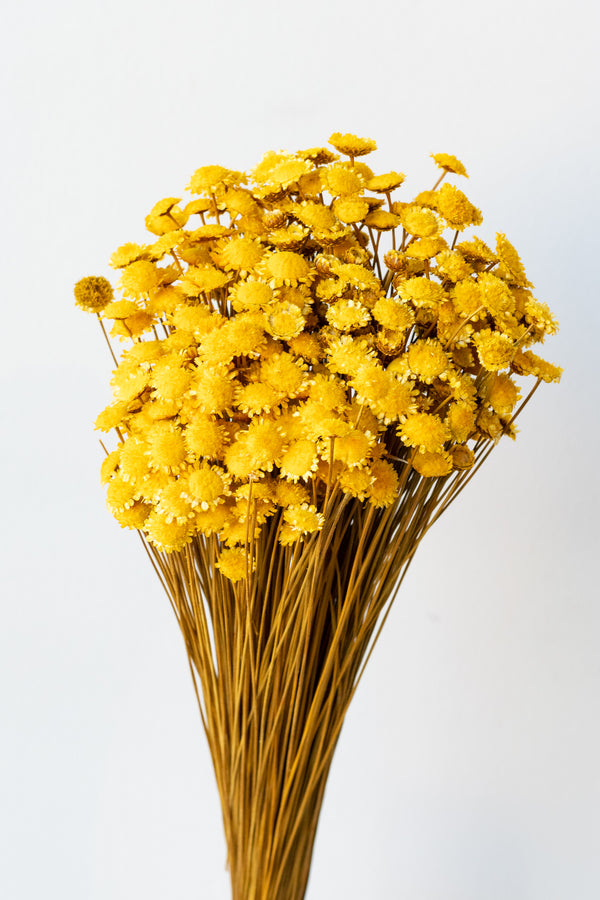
425, 248
214, 389
528, 363
453, 265
93, 293
109, 466
385, 183
357, 482
205, 437
112, 416
383, 490
347, 354
350, 209
449, 163
348, 315
209, 179
234, 564
134, 516
139, 278
292, 237
133, 461
456, 208
120, 494
284, 267
241, 254
467, 299
205, 486
329, 391
284, 321
497, 296
127, 254
166, 447
166, 533
427, 359
509, 257
250, 295
502, 394
257, 397
304, 518
460, 419
420, 221
380, 390
351, 145
495, 350
432, 465
539, 315
354, 449
170, 379
393, 314
314, 215
203, 280
284, 374
425, 431
381, 220
422, 292
299, 460
342, 181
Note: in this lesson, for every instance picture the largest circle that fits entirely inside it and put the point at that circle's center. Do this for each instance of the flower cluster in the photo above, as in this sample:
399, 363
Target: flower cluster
296, 332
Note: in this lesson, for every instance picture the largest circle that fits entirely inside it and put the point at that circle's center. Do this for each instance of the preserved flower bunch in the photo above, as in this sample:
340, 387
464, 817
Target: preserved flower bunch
314, 368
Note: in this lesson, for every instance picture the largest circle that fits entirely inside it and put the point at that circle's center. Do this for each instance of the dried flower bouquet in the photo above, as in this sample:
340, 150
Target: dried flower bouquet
313, 372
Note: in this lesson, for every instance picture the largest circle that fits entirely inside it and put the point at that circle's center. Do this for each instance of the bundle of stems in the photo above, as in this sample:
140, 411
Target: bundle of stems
276, 659
295, 410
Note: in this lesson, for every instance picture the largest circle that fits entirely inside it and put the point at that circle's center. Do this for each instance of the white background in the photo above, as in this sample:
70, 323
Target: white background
468, 767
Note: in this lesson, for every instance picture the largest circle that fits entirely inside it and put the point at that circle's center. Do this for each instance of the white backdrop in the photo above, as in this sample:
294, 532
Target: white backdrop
468, 766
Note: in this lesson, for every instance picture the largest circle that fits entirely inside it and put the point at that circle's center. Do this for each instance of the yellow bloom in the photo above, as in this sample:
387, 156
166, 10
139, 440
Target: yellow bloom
383, 489
205, 486
380, 390
381, 220
425, 248
427, 359
209, 179
393, 314
203, 280
120, 494
304, 518
250, 295
495, 350
348, 315
284, 321
205, 438
134, 516
346, 355
168, 535
539, 315
467, 299
460, 419
127, 254
425, 431
509, 257
354, 449
497, 296
351, 145
234, 564
432, 465
93, 293
420, 221
528, 363
284, 267
422, 292
170, 379
139, 278
456, 209
449, 163
299, 460
502, 394
350, 209
357, 482
314, 215
342, 181
214, 389
256, 397
329, 391
241, 254
284, 374
109, 466
134, 461
385, 183
166, 447
453, 265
